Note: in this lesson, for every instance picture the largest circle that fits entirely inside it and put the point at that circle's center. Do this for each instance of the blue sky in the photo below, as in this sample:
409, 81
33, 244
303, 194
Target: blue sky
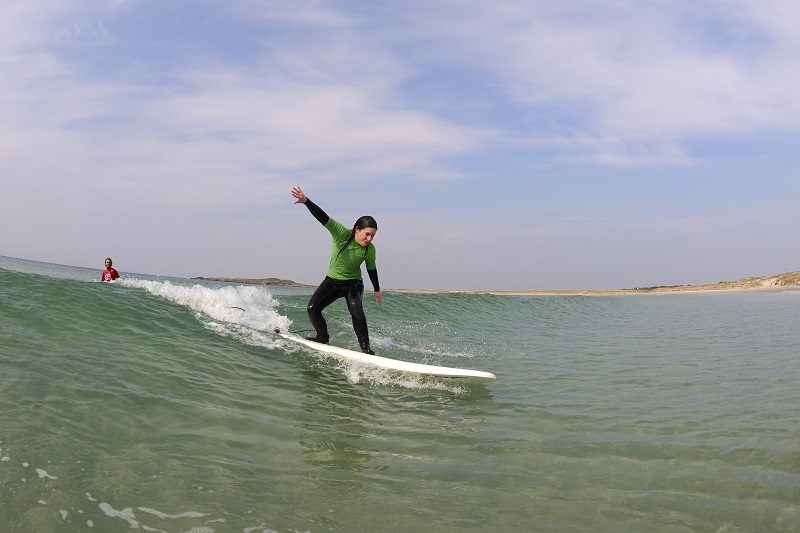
500, 145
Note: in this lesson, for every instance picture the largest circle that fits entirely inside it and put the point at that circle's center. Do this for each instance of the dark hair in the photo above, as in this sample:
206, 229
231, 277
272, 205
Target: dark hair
364, 222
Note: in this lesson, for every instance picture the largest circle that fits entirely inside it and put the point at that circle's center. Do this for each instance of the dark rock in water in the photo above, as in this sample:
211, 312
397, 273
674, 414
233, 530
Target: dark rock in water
257, 281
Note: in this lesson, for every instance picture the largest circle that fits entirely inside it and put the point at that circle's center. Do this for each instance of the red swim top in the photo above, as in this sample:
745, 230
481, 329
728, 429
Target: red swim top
109, 274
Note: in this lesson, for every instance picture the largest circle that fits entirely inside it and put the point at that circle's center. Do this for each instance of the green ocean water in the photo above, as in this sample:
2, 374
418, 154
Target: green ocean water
154, 404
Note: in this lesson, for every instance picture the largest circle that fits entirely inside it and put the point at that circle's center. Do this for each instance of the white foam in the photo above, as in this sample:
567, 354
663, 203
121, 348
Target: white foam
125, 514
250, 306
258, 529
43, 474
188, 514
356, 372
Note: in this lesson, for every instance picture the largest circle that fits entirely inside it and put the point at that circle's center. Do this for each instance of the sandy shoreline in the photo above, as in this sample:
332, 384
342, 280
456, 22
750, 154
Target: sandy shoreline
595, 292
789, 281
630, 292
277, 282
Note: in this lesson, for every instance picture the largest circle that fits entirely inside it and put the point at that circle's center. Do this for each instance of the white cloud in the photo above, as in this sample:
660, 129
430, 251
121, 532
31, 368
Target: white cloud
27, 24
313, 13
293, 125
620, 83
659, 74
83, 30
298, 112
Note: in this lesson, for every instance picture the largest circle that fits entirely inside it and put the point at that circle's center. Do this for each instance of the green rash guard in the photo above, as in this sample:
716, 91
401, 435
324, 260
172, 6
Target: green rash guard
347, 265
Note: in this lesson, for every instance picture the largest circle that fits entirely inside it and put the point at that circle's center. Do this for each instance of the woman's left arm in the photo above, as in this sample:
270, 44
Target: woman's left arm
373, 277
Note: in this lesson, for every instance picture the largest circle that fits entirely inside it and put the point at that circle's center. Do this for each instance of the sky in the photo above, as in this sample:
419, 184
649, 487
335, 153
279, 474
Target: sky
505, 145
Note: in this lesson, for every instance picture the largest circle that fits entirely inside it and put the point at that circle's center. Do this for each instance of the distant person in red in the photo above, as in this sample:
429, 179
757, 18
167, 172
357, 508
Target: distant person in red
110, 273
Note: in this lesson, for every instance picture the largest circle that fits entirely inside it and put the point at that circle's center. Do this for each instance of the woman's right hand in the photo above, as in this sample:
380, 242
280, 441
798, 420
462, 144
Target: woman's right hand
300, 196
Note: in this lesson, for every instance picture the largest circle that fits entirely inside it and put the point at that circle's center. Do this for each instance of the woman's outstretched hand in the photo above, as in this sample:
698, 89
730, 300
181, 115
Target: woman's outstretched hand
300, 196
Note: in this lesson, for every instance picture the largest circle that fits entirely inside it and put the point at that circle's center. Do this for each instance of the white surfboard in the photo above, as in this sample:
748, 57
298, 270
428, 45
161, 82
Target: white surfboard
392, 364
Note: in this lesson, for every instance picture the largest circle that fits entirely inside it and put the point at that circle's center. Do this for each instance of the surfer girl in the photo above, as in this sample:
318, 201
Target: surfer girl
110, 273
350, 248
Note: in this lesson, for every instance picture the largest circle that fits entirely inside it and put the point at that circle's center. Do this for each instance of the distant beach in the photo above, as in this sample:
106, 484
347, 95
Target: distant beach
788, 281
277, 282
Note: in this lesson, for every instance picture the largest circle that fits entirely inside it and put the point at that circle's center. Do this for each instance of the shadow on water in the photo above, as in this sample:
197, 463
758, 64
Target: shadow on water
360, 441
335, 418
341, 417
